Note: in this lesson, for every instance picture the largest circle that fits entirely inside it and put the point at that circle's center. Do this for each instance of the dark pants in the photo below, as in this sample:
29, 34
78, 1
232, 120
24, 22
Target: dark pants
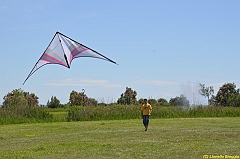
146, 119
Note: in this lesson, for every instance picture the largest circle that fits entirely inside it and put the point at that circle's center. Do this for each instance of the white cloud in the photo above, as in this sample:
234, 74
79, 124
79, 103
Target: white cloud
82, 82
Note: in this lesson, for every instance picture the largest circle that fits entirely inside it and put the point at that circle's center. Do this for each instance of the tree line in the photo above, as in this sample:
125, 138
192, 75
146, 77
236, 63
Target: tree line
227, 95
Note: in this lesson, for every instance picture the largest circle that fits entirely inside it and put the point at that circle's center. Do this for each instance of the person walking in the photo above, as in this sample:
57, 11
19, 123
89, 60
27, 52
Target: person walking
146, 111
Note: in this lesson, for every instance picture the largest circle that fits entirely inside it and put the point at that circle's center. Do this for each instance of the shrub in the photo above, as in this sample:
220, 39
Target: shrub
108, 112
24, 114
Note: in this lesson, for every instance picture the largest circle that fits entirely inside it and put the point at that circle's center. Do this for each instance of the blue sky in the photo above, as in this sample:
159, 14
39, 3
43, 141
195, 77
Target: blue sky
163, 48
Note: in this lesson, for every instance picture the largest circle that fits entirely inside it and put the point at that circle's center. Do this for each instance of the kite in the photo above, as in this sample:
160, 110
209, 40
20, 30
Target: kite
62, 50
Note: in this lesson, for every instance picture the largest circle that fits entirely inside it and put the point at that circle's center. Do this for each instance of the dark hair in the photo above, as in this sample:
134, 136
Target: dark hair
145, 99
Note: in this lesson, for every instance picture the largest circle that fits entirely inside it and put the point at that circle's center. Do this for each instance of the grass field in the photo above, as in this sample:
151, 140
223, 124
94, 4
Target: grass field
167, 138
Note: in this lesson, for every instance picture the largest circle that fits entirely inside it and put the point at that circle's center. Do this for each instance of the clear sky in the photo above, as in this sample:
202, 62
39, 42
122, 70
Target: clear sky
164, 48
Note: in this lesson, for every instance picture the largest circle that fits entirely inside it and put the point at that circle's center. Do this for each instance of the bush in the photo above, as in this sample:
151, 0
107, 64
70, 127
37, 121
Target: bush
83, 113
109, 112
24, 114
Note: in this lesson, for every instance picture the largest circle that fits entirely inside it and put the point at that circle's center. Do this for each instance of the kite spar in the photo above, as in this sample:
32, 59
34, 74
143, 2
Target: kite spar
62, 50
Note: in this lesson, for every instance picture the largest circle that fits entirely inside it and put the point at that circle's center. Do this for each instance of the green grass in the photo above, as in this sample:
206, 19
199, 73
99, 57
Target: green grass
166, 138
59, 116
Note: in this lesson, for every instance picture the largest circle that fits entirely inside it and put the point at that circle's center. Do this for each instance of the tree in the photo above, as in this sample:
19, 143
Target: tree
174, 101
20, 98
78, 98
162, 102
179, 101
141, 101
31, 98
152, 101
128, 97
183, 101
93, 102
206, 91
227, 95
54, 103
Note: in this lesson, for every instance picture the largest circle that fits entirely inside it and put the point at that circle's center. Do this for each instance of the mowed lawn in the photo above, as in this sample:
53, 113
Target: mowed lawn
167, 138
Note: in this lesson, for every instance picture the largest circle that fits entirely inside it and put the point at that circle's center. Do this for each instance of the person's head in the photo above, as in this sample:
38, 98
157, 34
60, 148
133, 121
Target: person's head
145, 101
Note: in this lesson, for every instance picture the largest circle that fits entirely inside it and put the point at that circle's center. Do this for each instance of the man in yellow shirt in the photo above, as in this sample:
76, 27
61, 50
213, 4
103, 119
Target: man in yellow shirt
146, 111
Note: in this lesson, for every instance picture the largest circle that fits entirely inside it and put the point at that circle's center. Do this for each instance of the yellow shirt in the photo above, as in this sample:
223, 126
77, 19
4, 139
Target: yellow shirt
146, 108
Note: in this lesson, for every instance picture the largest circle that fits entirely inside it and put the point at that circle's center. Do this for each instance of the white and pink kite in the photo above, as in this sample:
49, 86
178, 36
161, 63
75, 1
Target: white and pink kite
62, 50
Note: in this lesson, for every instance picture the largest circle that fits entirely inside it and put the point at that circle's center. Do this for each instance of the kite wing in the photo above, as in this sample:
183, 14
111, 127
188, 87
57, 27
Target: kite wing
62, 50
